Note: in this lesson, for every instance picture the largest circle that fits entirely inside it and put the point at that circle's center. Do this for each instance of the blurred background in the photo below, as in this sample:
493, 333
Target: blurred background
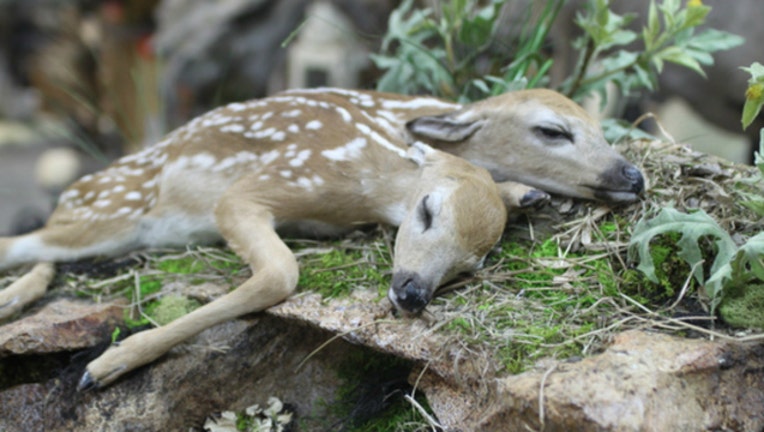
83, 82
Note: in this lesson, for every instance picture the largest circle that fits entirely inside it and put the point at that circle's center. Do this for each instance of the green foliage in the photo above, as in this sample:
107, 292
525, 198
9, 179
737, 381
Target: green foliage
732, 265
436, 51
668, 36
754, 95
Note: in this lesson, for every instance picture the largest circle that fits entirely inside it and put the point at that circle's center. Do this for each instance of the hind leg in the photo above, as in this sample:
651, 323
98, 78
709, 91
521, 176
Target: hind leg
248, 228
57, 243
26, 289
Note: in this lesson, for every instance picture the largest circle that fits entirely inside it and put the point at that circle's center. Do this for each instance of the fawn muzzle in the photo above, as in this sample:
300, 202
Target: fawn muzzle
409, 293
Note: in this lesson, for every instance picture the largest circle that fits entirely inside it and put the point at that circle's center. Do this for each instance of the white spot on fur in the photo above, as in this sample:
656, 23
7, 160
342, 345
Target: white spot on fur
366, 130
269, 157
202, 160
265, 133
101, 203
285, 173
235, 128
133, 196
300, 158
351, 150
314, 125
305, 183
256, 126
293, 128
418, 103
278, 136
237, 106
344, 114
291, 114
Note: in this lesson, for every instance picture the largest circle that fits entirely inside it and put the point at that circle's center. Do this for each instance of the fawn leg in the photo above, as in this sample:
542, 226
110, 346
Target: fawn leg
51, 244
249, 230
26, 289
520, 196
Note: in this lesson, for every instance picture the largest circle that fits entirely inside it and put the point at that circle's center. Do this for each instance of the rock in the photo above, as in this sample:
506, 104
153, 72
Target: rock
61, 325
644, 381
228, 367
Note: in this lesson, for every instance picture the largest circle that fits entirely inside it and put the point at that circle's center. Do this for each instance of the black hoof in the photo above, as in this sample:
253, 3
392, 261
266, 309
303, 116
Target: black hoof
86, 382
535, 199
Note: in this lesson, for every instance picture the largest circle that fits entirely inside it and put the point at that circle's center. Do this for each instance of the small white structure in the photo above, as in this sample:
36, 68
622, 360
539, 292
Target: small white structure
326, 52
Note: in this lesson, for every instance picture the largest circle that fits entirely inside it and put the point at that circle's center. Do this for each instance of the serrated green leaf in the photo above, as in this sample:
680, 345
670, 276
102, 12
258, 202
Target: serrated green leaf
693, 227
744, 268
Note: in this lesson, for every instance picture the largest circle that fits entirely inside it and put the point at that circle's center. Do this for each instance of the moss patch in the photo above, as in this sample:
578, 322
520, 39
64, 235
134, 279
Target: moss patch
744, 306
337, 268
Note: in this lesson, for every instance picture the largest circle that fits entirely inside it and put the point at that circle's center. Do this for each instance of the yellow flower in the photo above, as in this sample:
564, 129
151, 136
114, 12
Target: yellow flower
694, 3
754, 92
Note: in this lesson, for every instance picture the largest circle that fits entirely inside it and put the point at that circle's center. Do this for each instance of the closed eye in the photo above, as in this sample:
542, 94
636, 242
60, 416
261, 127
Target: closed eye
424, 214
554, 133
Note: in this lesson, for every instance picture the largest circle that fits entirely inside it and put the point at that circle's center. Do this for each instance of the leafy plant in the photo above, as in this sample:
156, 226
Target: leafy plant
732, 265
668, 36
436, 51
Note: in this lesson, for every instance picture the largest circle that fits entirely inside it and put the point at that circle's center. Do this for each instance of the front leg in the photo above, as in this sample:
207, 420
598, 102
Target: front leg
520, 196
248, 229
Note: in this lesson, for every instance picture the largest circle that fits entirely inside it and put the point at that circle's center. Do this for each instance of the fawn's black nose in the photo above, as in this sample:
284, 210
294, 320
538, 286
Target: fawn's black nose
409, 293
633, 175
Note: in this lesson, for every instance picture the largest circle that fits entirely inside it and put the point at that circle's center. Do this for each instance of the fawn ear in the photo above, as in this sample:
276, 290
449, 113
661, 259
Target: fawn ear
451, 127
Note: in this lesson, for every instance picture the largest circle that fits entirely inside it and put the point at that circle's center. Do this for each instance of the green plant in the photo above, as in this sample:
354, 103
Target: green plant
435, 51
669, 36
732, 266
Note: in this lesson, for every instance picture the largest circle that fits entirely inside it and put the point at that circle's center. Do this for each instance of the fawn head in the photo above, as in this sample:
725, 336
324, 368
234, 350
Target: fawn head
455, 217
539, 138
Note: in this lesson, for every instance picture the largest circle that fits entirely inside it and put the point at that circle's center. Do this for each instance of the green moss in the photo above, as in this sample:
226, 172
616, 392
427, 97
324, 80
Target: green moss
743, 306
339, 271
552, 304
185, 265
671, 270
161, 311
